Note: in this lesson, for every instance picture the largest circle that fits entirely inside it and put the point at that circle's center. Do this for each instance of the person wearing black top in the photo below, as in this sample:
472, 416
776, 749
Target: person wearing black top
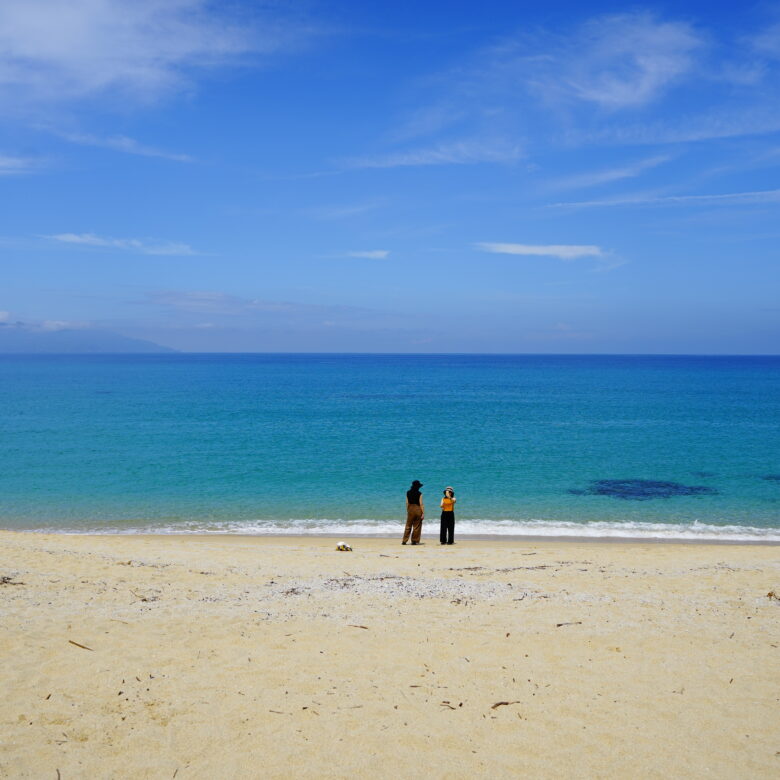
415, 513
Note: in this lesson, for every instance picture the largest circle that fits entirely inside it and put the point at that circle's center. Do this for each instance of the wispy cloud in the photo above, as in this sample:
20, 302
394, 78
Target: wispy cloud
55, 325
561, 251
17, 166
454, 153
48, 326
561, 331
429, 120
206, 302
121, 143
370, 254
340, 211
621, 61
595, 178
759, 197
720, 123
767, 42
616, 62
141, 246
768, 157
216, 303
53, 51
544, 84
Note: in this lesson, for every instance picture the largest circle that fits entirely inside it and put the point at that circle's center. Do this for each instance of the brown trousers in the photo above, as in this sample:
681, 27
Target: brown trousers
413, 523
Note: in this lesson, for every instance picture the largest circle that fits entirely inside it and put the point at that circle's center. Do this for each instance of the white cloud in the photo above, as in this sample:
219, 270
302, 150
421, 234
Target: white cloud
52, 50
16, 166
561, 251
758, 197
370, 254
121, 143
5, 316
595, 178
623, 60
454, 153
145, 246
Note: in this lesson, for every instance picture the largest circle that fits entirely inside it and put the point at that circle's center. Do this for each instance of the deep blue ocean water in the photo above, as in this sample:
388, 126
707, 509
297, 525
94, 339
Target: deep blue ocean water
330, 443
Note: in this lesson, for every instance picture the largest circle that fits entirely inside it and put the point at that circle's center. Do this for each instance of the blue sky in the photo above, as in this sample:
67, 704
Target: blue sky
402, 177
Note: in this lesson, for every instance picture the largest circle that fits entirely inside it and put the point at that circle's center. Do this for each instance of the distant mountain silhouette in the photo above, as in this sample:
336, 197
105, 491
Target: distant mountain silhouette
19, 339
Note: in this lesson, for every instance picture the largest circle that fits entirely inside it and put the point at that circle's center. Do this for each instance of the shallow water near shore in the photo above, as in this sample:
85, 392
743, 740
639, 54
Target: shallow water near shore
678, 447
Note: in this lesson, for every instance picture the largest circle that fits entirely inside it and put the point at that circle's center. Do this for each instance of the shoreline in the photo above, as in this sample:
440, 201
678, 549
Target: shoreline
431, 540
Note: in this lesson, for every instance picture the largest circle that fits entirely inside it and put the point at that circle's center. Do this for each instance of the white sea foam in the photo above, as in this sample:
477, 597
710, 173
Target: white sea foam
495, 528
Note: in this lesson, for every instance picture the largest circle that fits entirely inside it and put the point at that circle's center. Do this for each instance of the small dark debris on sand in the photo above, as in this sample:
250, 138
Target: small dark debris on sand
145, 597
83, 647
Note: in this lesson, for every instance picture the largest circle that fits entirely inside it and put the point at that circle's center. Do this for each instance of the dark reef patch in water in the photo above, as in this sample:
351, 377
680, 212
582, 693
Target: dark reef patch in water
642, 489
771, 477
703, 474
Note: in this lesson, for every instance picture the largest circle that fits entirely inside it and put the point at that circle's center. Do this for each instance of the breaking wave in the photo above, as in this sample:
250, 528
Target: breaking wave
695, 531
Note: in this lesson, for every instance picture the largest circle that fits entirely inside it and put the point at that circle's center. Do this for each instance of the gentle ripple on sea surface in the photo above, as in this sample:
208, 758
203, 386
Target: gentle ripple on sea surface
278, 443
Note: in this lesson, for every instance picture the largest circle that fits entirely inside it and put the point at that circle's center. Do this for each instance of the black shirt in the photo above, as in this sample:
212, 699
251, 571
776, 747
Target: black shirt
413, 497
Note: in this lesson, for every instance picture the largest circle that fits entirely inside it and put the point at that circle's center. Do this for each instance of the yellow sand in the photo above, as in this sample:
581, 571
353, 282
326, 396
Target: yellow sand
223, 657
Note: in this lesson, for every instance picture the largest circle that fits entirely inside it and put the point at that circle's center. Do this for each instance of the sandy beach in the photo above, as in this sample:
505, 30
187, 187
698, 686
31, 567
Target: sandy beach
222, 657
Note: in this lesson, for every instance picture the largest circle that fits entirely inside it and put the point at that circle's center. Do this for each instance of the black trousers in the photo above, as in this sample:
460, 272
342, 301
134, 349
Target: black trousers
447, 533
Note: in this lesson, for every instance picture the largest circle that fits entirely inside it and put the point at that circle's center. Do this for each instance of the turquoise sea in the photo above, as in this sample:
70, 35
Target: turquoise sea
683, 447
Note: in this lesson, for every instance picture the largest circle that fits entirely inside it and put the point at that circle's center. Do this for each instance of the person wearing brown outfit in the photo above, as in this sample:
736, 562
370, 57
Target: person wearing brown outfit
415, 513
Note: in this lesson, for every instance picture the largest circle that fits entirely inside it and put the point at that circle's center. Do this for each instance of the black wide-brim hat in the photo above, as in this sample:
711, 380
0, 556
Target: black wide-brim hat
417, 483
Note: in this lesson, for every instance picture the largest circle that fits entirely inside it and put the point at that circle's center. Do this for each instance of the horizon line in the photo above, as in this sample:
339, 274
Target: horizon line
175, 352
